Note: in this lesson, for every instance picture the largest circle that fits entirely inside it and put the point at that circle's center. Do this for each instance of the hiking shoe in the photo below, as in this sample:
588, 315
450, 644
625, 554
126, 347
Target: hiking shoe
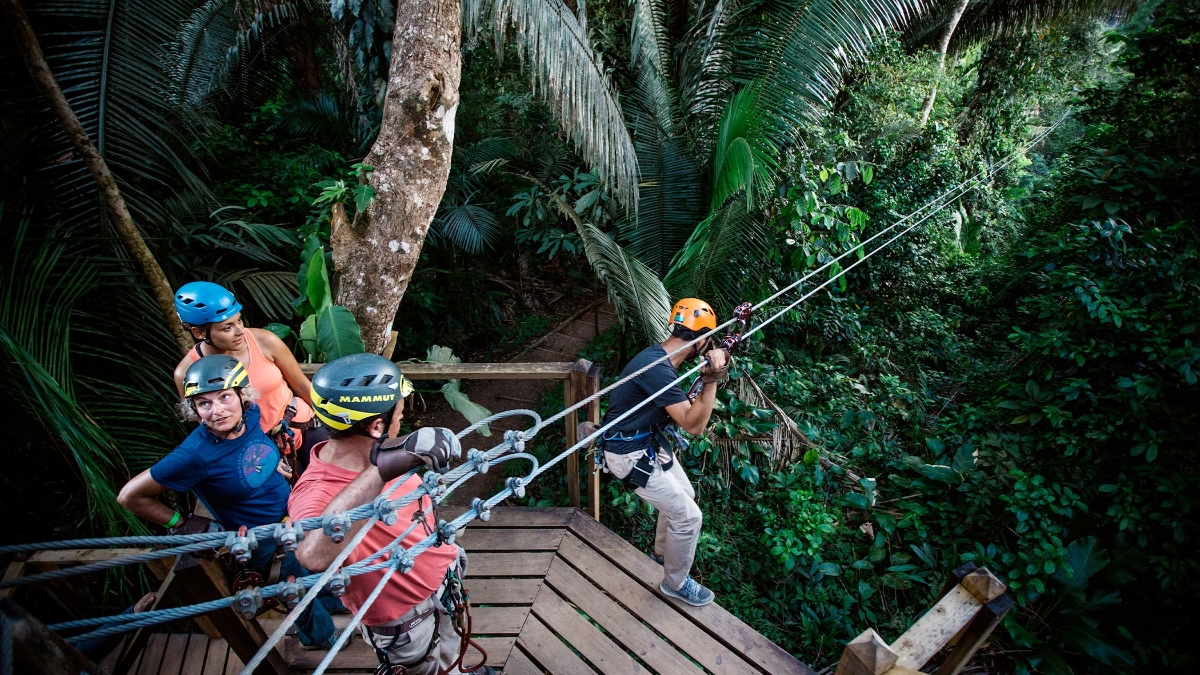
656, 558
691, 592
327, 645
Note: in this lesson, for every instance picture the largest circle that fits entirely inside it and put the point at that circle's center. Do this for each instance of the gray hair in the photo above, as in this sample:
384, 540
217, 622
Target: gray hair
188, 414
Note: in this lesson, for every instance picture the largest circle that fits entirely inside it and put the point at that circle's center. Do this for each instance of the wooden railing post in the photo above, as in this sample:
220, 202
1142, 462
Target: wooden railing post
576, 385
593, 415
964, 616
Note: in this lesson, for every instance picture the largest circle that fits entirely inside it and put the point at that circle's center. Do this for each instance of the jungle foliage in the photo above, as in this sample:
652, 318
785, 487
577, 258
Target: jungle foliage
1014, 381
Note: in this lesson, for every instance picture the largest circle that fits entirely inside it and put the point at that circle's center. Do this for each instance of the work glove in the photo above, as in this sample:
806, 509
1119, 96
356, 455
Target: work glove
196, 525
586, 429
434, 446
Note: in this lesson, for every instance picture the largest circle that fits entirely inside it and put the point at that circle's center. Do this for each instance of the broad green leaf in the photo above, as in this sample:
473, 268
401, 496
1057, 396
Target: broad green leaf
855, 500
834, 184
964, 459
868, 174
465, 406
280, 330
338, 334
308, 336
317, 289
830, 569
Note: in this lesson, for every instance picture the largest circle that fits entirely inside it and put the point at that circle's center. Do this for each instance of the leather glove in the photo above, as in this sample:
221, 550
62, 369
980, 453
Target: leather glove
434, 446
196, 525
586, 429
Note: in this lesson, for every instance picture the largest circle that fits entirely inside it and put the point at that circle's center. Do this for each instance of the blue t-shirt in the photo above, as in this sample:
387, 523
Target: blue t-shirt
650, 416
236, 478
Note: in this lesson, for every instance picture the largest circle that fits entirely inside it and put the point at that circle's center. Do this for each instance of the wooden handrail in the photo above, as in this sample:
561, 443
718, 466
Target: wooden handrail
557, 370
964, 617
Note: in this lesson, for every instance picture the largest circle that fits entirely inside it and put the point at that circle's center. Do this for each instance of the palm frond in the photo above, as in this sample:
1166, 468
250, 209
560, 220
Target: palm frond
996, 19
799, 49
743, 158
705, 69
570, 74
723, 259
272, 292
636, 293
468, 227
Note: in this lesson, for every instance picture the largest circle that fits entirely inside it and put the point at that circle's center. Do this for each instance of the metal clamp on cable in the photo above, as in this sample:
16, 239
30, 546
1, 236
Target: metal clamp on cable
516, 439
241, 543
435, 483
338, 583
247, 602
517, 485
446, 533
480, 507
386, 508
335, 526
405, 563
287, 535
290, 592
478, 460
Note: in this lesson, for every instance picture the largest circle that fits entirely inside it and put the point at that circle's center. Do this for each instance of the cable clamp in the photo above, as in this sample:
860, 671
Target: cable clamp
241, 543
335, 526
247, 602
515, 438
480, 507
478, 460
517, 485
446, 532
386, 508
290, 592
435, 483
405, 563
287, 535
338, 583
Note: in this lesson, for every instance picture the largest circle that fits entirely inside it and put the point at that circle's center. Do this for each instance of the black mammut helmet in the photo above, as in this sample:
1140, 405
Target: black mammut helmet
356, 387
217, 372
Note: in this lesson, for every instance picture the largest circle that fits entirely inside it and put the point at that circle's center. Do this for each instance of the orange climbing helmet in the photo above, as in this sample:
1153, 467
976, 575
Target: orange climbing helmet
693, 314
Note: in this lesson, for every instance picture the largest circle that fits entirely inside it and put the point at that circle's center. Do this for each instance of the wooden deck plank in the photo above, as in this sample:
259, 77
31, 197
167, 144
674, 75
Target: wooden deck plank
549, 652
651, 649
233, 663
172, 659
152, 655
716, 620
607, 657
498, 620
511, 539
358, 655
509, 564
498, 650
193, 660
651, 608
214, 660
502, 591
518, 516
520, 664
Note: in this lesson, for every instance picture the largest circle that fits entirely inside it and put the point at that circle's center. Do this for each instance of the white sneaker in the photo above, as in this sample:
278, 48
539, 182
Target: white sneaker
691, 592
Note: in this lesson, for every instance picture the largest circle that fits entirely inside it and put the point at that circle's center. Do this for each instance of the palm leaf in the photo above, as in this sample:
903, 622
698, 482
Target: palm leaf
570, 74
743, 159
723, 260
468, 227
705, 71
995, 19
272, 292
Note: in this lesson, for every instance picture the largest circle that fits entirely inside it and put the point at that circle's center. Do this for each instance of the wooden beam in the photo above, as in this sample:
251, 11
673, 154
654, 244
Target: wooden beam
474, 371
574, 389
16, 569
936, 628
975, 635
81, 556
36, 649
866, 654
593, 415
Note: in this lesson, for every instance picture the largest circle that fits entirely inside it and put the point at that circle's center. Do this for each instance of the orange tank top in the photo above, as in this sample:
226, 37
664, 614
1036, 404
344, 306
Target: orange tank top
274, 394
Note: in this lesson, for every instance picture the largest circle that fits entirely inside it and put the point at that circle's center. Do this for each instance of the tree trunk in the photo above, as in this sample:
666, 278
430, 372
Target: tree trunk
375, 258
943, 47
39, 70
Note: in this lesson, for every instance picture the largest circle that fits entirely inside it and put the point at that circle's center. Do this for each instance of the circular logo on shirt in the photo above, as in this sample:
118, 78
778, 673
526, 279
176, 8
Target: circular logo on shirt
258, 463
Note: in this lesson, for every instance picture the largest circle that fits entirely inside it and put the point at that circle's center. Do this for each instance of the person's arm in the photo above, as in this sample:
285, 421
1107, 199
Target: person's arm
317, 552
140, 496
693, 416
279, 353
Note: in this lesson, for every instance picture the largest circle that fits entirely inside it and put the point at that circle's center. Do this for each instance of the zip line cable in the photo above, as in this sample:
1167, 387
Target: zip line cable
476, 464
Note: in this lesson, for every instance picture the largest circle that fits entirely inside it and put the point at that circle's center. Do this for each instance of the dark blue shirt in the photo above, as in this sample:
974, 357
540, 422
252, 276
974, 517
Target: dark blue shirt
236, 478
650, 416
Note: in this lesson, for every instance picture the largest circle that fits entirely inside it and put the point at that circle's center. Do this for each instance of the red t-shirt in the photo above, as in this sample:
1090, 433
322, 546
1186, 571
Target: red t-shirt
318, 486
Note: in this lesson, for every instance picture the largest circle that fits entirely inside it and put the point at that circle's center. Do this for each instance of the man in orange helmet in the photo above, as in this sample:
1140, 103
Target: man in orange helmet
638, 451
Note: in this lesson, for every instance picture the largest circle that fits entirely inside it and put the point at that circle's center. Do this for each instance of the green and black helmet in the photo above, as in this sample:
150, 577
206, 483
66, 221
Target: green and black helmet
217, 372
357, 387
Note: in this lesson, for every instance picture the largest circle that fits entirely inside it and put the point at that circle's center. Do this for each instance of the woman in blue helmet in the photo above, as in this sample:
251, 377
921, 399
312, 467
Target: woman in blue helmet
214, 317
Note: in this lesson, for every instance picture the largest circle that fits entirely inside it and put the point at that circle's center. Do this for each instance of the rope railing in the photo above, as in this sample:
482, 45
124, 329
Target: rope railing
439, 487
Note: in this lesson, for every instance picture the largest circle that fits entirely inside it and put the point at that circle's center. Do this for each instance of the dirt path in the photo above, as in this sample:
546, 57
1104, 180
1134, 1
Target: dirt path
560, 344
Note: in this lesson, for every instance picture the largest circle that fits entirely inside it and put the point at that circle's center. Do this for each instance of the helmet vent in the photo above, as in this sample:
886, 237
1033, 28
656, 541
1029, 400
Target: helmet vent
366, 380
385, 379
346, 382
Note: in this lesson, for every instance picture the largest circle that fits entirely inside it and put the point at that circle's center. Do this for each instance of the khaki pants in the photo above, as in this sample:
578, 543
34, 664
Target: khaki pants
409, 649
679, 518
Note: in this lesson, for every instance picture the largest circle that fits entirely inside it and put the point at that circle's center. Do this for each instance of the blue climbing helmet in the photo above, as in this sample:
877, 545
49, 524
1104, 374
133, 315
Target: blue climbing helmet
203, 302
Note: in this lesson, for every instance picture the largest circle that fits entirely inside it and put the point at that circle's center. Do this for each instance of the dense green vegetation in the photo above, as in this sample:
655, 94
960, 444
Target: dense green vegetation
1014, 382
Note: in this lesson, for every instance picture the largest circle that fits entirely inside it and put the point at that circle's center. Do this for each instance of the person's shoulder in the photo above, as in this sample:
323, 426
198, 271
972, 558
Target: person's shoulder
194, 441
268, 342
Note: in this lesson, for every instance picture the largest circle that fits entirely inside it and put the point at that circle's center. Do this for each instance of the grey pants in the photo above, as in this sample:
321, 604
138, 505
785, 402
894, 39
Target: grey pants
679, 518
409, 649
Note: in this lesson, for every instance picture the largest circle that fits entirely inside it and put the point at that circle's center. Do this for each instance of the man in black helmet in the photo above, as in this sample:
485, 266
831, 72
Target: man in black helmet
361, 399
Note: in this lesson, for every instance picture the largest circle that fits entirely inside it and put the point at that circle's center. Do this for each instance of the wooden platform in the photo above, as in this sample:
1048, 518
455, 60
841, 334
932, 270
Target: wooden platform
553, 591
